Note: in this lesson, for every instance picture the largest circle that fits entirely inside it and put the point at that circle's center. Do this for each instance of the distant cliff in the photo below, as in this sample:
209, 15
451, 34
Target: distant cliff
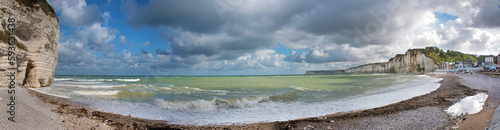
413, 61
37, 33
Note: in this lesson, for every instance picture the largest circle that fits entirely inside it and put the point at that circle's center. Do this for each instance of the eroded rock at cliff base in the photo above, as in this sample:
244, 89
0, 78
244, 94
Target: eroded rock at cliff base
37, 33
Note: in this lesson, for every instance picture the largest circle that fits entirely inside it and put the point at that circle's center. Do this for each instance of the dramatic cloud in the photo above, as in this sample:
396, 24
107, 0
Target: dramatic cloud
248, 26
187, 43
208, 36
475, 13
77, 12
456, 35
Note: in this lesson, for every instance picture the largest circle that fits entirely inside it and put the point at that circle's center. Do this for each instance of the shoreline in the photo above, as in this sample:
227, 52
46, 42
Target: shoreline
418, 112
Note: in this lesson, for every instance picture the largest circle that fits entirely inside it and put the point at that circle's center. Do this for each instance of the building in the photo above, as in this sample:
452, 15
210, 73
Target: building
495, 60
468, 64
498, 58
458, 65
480, 63
444, 65
489, 60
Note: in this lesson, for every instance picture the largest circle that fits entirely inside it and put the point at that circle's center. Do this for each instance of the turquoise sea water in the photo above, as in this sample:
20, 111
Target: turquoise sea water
202, 100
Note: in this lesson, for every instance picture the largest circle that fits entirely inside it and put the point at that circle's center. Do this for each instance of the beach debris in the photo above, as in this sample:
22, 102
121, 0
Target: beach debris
309, 127
321, 118
331, 121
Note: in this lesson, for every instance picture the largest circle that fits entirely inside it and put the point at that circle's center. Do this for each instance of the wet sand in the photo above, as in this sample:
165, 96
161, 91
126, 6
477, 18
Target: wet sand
422, 112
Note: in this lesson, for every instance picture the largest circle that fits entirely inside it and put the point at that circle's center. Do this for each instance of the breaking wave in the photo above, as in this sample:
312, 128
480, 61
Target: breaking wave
209, 104
62, 79
95, 86
96, 93
128, 80
92, 80
217, 103
189, 90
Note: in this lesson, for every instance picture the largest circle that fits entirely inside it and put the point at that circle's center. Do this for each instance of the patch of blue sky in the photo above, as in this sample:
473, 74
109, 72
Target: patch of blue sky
444, 17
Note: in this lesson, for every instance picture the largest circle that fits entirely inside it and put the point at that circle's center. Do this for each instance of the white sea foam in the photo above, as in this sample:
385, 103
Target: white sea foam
252, 110
62, 79
92, 80
189, 90
268, 111
165, 88
97, 93
470, 105
300, 88
51, 94
84, 83
95, 86
128, 80
208, 104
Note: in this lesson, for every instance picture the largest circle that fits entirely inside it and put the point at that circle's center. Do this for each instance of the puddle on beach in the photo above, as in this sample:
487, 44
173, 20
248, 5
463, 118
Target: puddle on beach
469, 105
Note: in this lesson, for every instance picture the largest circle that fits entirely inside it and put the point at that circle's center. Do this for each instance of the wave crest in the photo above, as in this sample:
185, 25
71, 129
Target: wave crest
128, 80
96, 93
209, 104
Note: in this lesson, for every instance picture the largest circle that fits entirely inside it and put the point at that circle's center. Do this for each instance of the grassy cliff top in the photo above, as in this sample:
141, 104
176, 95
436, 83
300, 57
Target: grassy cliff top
44, 5
438, 55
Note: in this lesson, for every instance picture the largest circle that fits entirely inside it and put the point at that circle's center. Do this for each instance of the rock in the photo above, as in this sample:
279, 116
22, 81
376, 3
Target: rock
37, 35
413, 61
309, 127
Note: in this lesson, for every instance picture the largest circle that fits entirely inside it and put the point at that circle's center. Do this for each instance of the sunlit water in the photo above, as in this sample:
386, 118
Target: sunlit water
206, 100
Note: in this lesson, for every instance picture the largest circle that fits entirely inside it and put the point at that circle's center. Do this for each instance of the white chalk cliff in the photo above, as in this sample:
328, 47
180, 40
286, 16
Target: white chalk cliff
413, 61
37, 34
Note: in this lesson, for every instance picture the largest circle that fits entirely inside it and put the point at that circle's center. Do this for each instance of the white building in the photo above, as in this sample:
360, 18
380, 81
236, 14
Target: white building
488, 60
458, 65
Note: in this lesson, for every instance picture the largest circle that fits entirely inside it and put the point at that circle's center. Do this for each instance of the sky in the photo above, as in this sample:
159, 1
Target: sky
262, 37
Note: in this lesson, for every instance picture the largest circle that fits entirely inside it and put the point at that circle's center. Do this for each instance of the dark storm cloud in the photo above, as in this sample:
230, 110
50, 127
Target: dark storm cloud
187, 44
338, 16
194, 15
195, 29
488, 15
202, 16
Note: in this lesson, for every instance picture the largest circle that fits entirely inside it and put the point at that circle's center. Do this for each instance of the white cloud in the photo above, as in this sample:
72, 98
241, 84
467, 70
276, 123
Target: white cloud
96, 37
77, 12
145, 44
123, 39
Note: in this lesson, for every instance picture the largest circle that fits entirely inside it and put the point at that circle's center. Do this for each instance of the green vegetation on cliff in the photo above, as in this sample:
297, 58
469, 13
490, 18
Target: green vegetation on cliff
438, 55
44, 5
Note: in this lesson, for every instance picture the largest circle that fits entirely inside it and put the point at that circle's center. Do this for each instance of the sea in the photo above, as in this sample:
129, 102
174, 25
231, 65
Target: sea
223, 100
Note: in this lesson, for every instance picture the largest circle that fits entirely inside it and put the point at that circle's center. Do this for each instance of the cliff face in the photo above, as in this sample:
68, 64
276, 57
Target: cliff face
413, 61
37, 33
